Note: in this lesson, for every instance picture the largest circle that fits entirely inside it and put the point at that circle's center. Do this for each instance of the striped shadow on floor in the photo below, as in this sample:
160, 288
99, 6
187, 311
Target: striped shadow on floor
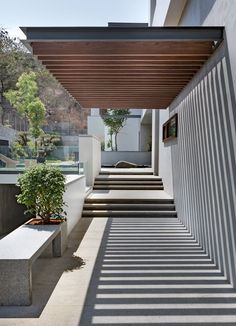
153, 272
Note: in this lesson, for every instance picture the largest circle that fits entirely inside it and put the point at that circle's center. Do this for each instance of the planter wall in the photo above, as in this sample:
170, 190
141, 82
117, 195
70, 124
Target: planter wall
11, 214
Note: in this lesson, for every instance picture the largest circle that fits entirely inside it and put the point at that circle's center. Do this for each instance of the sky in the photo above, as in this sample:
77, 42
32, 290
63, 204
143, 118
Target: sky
15, 13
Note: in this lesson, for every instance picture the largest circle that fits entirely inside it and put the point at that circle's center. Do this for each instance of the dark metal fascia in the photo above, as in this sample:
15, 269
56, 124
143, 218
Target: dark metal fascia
45, 34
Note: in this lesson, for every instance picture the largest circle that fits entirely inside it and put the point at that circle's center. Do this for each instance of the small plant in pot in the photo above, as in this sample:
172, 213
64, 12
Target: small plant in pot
42, 188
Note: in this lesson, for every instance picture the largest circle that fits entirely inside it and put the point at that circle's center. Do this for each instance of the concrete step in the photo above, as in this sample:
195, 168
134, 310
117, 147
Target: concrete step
126, 172
128, 182
140, 207
128, 200
127, 187
126, 178
105, 213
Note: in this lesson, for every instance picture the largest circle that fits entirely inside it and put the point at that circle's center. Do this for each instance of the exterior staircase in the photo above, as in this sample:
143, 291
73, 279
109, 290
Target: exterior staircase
128, 183
127, 207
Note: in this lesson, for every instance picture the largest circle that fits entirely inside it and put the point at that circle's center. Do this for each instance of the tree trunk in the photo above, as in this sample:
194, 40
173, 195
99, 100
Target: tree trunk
1, 101
116, 142
111, 141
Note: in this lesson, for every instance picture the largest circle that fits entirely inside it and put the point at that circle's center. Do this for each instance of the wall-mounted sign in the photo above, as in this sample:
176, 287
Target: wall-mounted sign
170, 128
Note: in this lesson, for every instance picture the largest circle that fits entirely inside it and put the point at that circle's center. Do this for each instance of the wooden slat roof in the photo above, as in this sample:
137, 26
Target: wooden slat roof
112, 67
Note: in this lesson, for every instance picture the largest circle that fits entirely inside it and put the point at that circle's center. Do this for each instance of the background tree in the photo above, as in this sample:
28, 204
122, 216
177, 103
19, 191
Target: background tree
14, 60
48, 143
115, 120
25, 99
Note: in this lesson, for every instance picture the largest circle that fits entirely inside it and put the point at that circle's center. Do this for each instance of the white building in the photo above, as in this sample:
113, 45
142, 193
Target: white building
134, 136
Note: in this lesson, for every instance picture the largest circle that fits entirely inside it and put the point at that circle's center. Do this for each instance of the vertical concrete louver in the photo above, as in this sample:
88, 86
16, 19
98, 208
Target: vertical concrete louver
204, 161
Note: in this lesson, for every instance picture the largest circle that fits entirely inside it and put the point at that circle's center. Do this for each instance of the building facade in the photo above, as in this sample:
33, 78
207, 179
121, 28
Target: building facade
134, 136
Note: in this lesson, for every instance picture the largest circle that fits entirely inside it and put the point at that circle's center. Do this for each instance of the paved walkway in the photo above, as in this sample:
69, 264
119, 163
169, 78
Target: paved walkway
155, 273
127, 271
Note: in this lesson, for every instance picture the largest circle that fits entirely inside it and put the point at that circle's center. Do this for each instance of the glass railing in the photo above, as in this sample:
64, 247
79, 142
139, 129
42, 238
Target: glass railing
17, 159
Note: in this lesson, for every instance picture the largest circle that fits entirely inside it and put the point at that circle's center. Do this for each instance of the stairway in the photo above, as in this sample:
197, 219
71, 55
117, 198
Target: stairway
128, 207
154, 272
128, 182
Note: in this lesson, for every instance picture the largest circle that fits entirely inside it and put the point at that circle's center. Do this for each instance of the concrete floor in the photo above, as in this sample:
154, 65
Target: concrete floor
128, 272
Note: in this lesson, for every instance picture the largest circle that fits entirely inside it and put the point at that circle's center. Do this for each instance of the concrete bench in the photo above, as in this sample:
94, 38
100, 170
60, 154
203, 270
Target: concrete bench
18, 251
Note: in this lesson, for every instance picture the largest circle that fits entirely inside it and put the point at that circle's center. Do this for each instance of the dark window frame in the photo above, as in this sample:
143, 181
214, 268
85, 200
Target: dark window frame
166, 129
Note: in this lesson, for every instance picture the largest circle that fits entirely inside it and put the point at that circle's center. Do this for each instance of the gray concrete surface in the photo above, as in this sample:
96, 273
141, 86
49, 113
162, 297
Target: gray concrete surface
18, 250
130, 272
11, 214
46, 273
137, 157
203, 156
154, 272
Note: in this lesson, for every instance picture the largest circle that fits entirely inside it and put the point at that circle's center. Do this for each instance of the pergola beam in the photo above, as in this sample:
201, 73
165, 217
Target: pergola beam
123, 33
142, 67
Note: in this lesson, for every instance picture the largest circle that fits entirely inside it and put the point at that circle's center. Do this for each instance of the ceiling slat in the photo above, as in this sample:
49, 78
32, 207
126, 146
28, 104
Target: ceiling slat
117, 67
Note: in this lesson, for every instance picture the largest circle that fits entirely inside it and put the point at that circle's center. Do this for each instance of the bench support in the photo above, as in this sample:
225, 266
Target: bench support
16, 270
16, 283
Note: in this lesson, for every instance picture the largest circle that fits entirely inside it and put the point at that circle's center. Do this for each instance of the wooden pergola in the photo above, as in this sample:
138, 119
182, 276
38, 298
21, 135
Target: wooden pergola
123, 67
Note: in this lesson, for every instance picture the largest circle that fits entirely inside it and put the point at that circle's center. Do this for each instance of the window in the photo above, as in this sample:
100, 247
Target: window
170, 128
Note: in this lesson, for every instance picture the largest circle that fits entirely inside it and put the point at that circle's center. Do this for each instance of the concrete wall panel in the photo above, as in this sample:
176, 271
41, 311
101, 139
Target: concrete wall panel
203, 160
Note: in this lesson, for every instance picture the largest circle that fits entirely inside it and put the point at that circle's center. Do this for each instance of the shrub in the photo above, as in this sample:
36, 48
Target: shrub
42, 188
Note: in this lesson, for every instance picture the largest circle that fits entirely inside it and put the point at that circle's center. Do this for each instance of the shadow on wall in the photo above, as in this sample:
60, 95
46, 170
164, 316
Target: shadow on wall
171, 142
205, 7
204, 160
199, 11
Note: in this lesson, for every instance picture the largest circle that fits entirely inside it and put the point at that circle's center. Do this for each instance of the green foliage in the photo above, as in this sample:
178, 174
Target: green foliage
23, 146
18, 151
102, 145
115, 120
23, 138
42, 188
47, 143
14, 60
109, 143
27, 103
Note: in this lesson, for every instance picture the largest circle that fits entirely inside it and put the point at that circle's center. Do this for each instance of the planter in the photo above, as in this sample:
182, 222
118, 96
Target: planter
62, 225
39, 221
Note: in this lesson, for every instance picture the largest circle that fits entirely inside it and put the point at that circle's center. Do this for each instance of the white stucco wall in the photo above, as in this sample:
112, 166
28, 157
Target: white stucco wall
74, 199
128, 137
145, 137
165, 162
90, 155
96, 127
141, 158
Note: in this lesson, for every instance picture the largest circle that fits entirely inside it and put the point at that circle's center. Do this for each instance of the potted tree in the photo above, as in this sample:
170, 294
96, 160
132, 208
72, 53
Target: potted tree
42, 188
